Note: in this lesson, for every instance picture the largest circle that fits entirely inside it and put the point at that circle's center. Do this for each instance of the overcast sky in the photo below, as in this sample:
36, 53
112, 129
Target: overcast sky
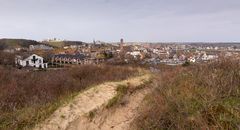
110, 20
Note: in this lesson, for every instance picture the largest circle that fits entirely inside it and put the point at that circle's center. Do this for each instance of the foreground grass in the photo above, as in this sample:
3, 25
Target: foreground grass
197, 97
121, 91
27, 98
27, 117
125, 90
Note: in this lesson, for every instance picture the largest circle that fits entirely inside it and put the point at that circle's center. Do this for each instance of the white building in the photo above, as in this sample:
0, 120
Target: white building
192, 59
30, 61
206, 57
39, 47
135, 54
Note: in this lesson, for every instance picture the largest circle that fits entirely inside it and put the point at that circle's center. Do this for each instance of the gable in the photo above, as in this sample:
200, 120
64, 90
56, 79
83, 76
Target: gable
32, 56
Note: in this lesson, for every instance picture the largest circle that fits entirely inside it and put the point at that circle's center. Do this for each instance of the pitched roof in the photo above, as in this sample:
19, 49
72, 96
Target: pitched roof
26, 55
76, 56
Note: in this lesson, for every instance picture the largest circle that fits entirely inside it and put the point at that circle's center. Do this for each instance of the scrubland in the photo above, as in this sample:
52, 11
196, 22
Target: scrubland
203, 96
29, 97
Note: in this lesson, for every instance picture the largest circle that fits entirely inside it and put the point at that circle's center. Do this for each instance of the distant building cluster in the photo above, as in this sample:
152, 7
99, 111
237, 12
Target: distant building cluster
44, 54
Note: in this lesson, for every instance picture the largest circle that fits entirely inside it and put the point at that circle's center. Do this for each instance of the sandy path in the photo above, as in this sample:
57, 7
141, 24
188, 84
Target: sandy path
119, 118
85, 102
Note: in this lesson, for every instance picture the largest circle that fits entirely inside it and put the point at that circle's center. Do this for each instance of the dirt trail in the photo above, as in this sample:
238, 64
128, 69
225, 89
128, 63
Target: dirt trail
73, 115
119, 118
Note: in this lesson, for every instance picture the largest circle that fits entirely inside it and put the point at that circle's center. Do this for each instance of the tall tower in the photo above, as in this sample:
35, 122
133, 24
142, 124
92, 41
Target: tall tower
94, 42
121, 41
121, 44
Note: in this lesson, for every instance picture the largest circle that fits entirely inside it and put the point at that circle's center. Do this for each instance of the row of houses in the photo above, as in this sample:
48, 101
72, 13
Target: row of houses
33, 60
203, 57
75, 59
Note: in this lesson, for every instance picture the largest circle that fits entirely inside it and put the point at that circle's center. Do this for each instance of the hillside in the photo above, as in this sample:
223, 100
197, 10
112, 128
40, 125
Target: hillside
48, 90
60, 44
13, 43
75, 114
203, 96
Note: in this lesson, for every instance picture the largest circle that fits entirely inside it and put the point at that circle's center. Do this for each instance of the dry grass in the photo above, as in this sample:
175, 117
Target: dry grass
27, 98
7, 59
121, 91
195, 97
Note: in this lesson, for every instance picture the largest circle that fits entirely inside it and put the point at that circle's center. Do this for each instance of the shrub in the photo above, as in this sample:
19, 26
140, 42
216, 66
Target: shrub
7, 59
185, 64
198, 97
30, 97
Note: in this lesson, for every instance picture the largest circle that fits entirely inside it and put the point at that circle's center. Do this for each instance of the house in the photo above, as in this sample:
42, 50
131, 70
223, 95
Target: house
136, 53
40, 47
192, 59
206, 57
175, 57
75, 59
30, 60
182, 57
68, 59
9, 50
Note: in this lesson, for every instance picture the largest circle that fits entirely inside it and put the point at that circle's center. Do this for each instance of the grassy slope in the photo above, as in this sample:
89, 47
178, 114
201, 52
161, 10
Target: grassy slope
57, 44
196, 97
30, 97
13, 43
60, 44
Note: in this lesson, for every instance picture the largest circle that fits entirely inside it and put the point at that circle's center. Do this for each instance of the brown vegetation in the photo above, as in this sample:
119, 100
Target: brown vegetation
29, 97
11, 43
7, 59
196, 97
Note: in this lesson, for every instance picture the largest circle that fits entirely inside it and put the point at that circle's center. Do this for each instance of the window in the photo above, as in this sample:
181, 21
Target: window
27, 63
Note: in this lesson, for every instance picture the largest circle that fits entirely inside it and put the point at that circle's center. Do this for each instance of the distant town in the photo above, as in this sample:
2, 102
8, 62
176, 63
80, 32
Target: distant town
56, 53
